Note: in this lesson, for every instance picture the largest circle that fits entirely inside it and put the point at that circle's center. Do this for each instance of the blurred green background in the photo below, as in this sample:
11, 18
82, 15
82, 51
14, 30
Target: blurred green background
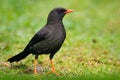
92, 43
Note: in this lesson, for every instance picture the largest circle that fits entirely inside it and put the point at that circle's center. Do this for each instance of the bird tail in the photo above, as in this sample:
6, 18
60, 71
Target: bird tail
18, 57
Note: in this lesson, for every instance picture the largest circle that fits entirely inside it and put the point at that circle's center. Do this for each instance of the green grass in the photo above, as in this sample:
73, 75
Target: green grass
90, 52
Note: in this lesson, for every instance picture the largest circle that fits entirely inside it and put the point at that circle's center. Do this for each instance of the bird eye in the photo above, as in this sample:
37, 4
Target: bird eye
61, 10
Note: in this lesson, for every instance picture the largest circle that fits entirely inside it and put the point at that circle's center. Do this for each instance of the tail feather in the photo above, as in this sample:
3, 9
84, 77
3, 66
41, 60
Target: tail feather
18, 57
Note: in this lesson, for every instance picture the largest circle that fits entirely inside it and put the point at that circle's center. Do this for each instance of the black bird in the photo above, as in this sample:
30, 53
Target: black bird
48, 40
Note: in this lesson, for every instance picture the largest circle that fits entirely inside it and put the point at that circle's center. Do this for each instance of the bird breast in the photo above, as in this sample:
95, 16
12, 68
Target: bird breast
52, 42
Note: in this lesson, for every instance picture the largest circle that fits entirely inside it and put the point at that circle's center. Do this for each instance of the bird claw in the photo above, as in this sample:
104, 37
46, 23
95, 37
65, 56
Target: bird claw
6, 64
35, 72
57, 74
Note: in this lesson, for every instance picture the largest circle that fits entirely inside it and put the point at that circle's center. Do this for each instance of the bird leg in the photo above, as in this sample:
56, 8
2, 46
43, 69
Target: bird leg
53, 69
35, 64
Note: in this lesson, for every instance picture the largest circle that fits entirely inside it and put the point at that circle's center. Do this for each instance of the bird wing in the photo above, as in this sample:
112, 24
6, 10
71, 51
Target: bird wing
39, 36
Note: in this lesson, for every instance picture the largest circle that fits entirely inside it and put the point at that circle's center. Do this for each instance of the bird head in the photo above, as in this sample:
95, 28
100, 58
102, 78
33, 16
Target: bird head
57, 14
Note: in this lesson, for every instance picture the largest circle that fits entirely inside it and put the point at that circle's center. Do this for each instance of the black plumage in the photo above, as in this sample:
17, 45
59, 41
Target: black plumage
49, 39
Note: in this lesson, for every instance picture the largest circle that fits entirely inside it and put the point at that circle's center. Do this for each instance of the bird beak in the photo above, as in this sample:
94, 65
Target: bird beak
68, 11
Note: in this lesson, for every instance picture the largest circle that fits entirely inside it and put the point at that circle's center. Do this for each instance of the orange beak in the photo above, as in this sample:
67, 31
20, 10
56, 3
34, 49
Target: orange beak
68, 11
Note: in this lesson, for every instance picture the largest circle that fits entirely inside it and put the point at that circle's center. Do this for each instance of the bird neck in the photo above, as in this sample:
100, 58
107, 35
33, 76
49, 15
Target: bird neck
53, 21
